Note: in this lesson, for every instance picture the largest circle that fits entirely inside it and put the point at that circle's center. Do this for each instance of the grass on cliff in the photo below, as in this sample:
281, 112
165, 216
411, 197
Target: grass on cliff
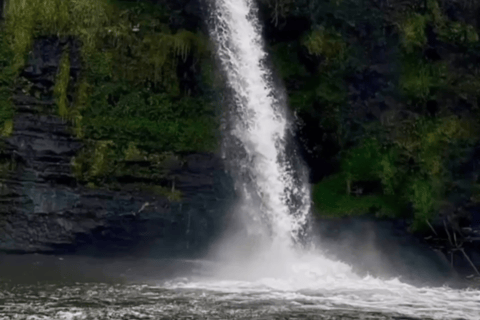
61, 86
138, 50
136, 83
102, 164
7, 78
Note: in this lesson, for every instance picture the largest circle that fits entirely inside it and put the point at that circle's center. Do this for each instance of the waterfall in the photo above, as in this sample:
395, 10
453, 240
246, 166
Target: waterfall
258, 259
267, 175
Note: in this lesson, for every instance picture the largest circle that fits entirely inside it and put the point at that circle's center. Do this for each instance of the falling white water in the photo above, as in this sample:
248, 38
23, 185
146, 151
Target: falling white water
260, 123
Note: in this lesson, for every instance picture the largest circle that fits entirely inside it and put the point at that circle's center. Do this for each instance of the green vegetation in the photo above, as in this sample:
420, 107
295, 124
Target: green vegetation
134, 89
96, 163
7, 128
286, 61
332, 199
326, 43
419, 80
154, 121
100, 165
457, 32
7, 78
388, 95
61, 86
412, 168
460, 33
412, 30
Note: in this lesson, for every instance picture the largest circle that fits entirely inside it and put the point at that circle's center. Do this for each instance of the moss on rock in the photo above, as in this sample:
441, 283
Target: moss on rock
131, 90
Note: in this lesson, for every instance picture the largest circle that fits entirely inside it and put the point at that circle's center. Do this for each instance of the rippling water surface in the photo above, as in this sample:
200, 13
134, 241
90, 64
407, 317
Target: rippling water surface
303, 295
229, 301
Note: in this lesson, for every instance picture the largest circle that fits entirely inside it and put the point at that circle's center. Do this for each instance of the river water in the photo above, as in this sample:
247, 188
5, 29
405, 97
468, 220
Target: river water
105, 301
51, 287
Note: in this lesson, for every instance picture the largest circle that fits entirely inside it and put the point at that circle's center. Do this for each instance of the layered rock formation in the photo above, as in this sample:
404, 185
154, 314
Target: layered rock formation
44, 208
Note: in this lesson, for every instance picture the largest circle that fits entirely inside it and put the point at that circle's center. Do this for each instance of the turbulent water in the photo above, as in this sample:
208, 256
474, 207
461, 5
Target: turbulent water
265, 172
257, 271
302, 295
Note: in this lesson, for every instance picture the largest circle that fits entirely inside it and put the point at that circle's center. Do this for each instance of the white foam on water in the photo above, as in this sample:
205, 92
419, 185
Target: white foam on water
265, 260
313, 281
70, 315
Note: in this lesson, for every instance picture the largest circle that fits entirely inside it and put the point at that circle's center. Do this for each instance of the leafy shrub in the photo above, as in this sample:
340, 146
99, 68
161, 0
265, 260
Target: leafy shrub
423, 196
326, 43
412, 30
420, 80
459, 33
95, 163
389, 172
286, 61
7, 78
361, 163
332, 199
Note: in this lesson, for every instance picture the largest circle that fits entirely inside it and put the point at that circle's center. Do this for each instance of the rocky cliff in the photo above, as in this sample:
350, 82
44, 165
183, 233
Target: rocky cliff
45, 208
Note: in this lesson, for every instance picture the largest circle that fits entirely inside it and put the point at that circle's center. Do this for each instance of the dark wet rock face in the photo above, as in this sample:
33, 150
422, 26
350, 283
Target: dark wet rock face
43, 208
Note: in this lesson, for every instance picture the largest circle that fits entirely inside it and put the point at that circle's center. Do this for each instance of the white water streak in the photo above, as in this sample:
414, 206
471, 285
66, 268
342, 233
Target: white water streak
261, 125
